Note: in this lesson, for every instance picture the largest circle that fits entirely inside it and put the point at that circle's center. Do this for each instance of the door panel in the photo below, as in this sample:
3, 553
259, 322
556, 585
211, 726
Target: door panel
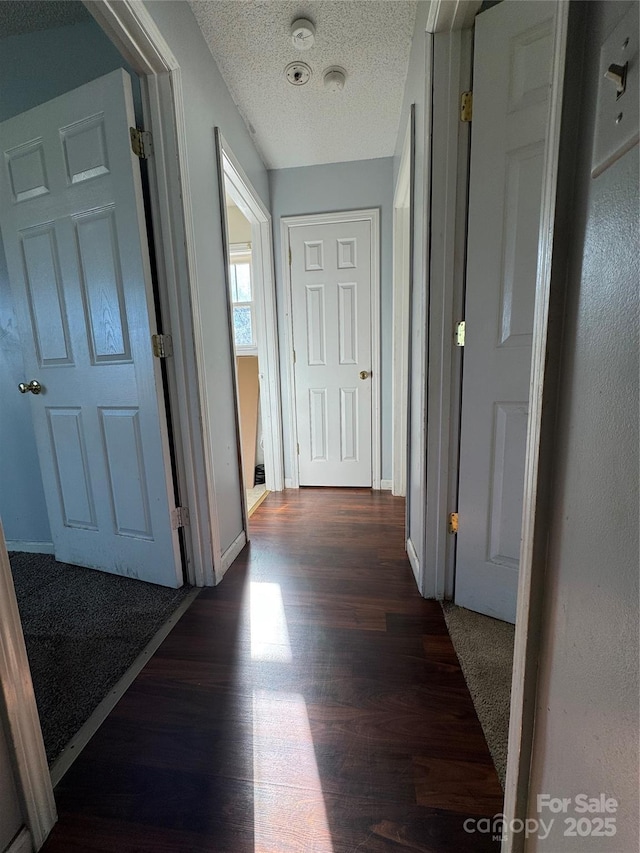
73, 226
331, 303
512, 76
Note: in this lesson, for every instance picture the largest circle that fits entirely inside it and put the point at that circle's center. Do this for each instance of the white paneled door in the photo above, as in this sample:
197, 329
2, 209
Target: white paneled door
73, 227
512, 78
331, 279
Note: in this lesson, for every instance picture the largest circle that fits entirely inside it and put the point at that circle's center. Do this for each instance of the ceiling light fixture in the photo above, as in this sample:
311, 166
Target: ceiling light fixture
303, 34
335, 78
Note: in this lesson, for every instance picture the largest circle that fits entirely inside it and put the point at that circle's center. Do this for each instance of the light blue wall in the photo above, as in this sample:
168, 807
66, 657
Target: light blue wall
586, 714
34, 68
354, 185
415, 92
207, 105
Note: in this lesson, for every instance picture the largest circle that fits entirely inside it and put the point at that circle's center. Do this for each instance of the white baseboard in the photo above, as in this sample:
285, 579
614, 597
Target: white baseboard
230, 554
386, 485
22, 843
414, 562
288, 483
30, 547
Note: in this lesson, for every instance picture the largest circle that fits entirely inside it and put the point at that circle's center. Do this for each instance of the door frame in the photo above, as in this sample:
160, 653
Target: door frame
241, 190
442, 448
371, 215
402, 287
18, 706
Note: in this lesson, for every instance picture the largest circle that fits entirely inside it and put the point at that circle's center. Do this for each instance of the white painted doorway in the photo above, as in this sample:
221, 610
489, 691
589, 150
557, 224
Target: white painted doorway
75, 237
512, 79
332, 289
258, 314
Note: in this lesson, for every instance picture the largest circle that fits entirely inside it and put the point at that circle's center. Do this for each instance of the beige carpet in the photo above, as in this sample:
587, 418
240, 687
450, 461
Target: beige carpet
485, 650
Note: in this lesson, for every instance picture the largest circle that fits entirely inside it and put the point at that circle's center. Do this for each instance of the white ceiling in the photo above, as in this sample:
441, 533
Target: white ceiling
27, 16
306, 125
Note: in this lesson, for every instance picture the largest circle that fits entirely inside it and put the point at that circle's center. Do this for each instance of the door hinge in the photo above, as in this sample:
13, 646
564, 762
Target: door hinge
289, 255
466, 106
141, 143
298, 448
162, 346
179, 517
452, 525
294, 357
460, 333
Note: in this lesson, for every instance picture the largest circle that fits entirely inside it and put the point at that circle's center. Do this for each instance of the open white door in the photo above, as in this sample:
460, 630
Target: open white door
512, 79
331, 315
74, 231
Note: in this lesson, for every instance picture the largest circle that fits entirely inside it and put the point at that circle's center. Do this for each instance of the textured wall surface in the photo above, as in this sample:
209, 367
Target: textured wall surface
326, 189
586, 738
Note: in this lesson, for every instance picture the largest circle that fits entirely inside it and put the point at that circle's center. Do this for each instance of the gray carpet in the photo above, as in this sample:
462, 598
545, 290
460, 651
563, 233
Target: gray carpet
485, 650
83, 629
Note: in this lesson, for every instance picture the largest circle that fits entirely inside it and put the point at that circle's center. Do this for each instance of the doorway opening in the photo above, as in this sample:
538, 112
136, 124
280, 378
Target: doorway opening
253, 330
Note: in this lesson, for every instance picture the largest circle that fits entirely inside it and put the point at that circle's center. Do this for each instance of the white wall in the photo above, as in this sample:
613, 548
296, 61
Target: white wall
586, 735
357, 184
60, 59
416, 93
208, 104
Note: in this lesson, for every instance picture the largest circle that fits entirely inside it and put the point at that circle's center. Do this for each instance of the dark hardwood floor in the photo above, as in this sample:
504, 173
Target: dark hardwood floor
311, 703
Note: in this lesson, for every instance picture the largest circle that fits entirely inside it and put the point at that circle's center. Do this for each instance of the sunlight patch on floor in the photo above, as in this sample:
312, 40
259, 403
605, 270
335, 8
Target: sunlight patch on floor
269, 632
289, 808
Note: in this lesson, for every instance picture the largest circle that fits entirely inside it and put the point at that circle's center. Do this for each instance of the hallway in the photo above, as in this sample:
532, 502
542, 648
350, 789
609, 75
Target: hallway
311, 703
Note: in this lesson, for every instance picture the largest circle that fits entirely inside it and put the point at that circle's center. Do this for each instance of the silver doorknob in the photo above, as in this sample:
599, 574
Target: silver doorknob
34, 386
364, 374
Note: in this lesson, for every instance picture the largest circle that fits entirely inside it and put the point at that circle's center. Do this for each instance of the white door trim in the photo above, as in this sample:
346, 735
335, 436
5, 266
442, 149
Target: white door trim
136, 35
402, 265
286, 223
533, 549
252, 207
450, 147
25, 734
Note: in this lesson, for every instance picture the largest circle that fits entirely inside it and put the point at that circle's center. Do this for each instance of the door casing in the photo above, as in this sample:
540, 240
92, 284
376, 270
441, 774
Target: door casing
286, 223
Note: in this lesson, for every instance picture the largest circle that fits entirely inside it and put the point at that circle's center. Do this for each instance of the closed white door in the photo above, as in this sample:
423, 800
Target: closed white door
331, 308
73, 227
512, 78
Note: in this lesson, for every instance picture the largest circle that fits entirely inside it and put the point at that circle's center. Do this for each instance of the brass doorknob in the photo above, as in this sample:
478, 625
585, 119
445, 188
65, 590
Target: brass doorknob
364, 374
34, 386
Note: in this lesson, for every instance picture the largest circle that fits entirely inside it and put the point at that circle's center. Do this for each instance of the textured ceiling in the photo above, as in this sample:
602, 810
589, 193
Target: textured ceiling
305, 125
27, 16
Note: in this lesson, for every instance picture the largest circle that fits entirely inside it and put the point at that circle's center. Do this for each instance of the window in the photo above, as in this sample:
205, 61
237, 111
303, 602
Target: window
242, 300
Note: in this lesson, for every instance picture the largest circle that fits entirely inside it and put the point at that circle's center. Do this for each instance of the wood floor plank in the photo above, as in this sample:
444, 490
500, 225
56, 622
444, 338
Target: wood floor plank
312, 703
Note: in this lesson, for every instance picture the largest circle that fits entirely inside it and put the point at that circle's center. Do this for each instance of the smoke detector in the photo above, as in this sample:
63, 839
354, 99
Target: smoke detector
335, 78
303, 34
297, 73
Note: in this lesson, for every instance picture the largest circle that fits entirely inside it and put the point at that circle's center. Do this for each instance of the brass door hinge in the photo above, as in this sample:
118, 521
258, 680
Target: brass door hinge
162, 346
298, 448
141, 143
460, 333
453, 522
466, 106
294, 357
179, 517
289, 255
